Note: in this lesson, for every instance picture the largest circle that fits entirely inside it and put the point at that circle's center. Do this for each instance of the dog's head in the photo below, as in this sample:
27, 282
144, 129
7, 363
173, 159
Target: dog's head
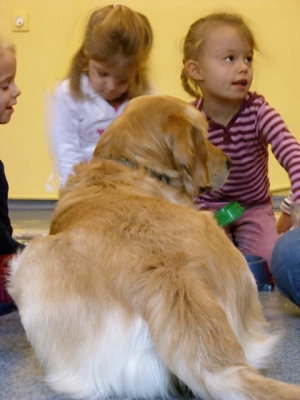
167, 137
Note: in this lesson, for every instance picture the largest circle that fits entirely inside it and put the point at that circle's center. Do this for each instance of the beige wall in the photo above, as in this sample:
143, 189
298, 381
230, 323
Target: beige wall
55, 28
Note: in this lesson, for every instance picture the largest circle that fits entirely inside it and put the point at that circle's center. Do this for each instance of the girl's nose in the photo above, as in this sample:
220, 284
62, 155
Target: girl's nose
111, 85
243, 66
16, 91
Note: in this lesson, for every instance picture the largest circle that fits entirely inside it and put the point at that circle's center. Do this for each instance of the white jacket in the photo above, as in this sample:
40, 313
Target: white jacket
78, 124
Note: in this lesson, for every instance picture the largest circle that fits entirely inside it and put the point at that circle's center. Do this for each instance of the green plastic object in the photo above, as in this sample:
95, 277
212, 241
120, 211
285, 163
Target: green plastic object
229, 213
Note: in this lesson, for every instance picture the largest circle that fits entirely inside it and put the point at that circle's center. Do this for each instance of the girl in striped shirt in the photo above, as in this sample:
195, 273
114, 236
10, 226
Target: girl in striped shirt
218, 54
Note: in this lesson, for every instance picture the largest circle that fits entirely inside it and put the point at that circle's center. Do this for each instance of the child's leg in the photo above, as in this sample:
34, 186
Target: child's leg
6, 302
8, 246
285, 265
255, 232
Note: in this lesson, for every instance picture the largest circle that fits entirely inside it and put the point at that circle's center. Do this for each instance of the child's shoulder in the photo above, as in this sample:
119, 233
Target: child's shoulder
254, 99
63, 86
254, 96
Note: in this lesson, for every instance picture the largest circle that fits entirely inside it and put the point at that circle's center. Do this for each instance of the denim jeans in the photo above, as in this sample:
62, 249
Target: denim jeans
285, 265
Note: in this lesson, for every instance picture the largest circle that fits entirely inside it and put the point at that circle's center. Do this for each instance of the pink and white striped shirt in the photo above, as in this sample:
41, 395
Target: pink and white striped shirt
245, 140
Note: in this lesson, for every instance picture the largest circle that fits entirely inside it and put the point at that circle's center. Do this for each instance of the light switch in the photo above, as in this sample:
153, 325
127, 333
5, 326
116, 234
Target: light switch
19, 21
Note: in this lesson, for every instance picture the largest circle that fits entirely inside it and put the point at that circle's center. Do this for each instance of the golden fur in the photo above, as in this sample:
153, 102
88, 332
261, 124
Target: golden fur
135, 293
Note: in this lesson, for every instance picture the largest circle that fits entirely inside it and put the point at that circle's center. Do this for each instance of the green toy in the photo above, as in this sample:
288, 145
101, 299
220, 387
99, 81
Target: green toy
229, 213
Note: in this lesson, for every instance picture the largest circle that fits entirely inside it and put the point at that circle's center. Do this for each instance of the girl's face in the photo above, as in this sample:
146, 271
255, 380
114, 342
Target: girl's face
8, 89
111, 83
225, 64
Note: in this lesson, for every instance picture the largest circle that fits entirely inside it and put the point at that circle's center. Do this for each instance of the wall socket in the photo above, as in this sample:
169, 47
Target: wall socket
19, 21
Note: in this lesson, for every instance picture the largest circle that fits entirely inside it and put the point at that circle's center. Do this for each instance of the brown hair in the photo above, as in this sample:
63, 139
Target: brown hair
195, 39
115, 34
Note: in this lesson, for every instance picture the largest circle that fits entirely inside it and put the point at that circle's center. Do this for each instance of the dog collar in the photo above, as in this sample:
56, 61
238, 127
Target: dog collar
157, 175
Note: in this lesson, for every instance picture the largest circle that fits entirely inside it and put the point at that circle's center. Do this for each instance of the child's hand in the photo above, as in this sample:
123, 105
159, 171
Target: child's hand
284, 223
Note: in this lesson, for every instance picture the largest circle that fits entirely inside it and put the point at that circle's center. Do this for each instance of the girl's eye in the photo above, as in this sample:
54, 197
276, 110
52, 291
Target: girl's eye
4, 85
249, 59
102, 74
229, 58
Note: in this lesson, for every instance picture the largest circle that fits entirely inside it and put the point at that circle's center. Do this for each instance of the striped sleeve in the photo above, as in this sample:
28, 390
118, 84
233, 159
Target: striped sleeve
284, 145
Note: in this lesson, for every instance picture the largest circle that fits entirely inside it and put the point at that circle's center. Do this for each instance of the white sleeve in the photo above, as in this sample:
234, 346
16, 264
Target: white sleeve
65, 131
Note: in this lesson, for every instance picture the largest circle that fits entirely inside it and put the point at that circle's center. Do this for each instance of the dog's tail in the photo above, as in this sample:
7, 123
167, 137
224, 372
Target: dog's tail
192, 334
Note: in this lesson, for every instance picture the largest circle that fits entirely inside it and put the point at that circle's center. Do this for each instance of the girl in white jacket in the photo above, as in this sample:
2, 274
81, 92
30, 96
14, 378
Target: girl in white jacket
107, 71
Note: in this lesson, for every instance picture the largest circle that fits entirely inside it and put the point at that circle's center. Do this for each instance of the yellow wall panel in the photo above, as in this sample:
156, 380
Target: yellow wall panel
55, 31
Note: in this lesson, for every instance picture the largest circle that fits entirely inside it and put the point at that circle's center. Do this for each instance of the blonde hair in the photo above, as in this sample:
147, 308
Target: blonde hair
4, 46
195, 40
115, 34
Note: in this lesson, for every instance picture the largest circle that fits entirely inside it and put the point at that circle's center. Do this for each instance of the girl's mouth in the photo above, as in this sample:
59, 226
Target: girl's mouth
242, 82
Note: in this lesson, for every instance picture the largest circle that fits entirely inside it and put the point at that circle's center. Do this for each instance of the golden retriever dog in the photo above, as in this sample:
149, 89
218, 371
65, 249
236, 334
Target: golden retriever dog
134, 293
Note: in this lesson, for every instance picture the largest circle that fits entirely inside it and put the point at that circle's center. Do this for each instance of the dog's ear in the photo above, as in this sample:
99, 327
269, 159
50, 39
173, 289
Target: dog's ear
188, 143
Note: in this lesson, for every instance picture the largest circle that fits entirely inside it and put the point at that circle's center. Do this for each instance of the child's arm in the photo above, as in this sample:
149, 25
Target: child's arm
284, 222
65, 130
284, 146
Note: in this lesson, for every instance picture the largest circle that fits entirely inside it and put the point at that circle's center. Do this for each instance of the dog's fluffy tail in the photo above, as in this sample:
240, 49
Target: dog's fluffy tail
192, 333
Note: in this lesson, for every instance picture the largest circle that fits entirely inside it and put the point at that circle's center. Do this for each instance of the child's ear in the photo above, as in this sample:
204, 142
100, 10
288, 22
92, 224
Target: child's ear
193, 69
